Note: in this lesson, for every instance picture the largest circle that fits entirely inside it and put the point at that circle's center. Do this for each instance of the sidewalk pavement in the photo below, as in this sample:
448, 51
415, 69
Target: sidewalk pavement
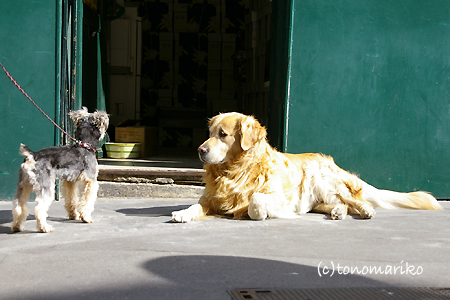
134, 251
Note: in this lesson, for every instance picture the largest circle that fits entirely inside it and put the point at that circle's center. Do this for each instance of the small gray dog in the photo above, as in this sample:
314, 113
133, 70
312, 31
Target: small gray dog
71, 163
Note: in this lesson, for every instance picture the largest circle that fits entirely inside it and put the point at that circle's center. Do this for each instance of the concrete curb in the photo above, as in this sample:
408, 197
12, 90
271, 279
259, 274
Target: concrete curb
147, 190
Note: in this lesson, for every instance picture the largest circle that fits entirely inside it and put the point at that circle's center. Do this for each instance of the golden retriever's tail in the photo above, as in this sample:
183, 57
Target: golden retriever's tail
394, 200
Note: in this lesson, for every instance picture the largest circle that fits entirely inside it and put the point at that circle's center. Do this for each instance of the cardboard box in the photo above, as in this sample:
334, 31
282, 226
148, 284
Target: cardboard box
146, 136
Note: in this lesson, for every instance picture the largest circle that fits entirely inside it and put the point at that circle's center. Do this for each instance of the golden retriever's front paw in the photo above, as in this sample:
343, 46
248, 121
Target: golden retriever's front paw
181, 216
257, 209
187, 215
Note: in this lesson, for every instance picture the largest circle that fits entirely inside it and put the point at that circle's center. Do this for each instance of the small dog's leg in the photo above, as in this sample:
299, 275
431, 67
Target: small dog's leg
20, 210
70, 194
40, 211
87, 200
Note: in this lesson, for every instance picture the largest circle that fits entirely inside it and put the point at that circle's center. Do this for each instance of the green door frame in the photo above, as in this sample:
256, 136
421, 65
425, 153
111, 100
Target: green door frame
70, 63
78, 59
280, 69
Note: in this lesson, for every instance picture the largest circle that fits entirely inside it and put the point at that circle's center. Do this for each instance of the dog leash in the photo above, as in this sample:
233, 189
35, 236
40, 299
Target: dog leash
80, 143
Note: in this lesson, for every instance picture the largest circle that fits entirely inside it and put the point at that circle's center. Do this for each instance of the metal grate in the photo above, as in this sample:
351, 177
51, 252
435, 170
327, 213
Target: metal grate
342, 293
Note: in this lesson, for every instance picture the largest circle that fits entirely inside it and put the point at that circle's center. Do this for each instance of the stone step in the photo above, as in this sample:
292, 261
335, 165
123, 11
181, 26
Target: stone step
141, 180
109, 189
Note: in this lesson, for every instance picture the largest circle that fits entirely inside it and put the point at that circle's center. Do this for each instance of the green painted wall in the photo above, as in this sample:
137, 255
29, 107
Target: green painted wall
27, 50
369, 84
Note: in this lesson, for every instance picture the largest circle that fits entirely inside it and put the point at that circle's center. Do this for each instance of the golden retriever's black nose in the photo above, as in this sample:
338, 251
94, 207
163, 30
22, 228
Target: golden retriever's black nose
203, 149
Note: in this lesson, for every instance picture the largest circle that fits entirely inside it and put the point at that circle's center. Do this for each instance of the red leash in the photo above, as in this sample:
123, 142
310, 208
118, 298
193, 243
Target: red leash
82, 144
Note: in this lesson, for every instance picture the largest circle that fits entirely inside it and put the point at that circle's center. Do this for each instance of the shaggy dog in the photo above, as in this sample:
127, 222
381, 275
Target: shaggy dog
72, 163
246, 177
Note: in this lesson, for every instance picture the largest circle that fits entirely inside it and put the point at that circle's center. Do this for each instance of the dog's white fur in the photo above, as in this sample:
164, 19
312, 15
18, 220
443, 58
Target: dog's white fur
246, 177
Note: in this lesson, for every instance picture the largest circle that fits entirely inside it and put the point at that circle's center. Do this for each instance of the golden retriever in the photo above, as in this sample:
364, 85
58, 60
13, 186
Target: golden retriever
246, 177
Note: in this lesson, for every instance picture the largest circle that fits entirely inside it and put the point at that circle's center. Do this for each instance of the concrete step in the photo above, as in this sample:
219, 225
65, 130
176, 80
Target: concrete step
109, 189
146, 179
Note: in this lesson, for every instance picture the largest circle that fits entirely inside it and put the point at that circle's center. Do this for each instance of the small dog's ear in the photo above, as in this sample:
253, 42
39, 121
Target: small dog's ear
251, 132
102, 118
77, 115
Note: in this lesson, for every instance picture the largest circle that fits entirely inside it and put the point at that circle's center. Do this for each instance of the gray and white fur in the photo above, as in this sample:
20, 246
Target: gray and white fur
74, 165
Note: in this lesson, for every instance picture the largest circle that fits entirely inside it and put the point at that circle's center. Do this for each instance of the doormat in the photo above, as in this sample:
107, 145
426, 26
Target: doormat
342, 293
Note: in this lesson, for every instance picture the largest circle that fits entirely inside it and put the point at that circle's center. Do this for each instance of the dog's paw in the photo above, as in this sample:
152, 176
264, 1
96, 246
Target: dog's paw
17, 228
257, 208
74, 216
338, 213
87, 220
192, 213
367, 212
182, 216
45, 229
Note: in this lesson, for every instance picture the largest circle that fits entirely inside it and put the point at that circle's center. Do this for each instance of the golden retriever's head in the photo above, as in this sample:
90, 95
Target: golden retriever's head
230, 134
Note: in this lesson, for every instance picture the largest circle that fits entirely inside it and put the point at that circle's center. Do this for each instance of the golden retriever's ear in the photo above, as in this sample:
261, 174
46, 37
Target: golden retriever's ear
251, 132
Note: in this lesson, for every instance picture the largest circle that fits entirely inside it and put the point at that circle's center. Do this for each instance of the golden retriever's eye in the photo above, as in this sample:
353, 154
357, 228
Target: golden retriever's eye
222, 134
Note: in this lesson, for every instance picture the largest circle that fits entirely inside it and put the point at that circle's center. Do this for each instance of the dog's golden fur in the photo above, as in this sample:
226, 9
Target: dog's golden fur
246, 177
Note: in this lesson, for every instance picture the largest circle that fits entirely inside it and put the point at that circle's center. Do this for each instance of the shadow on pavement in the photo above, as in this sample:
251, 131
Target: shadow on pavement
161, 211
211, 277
